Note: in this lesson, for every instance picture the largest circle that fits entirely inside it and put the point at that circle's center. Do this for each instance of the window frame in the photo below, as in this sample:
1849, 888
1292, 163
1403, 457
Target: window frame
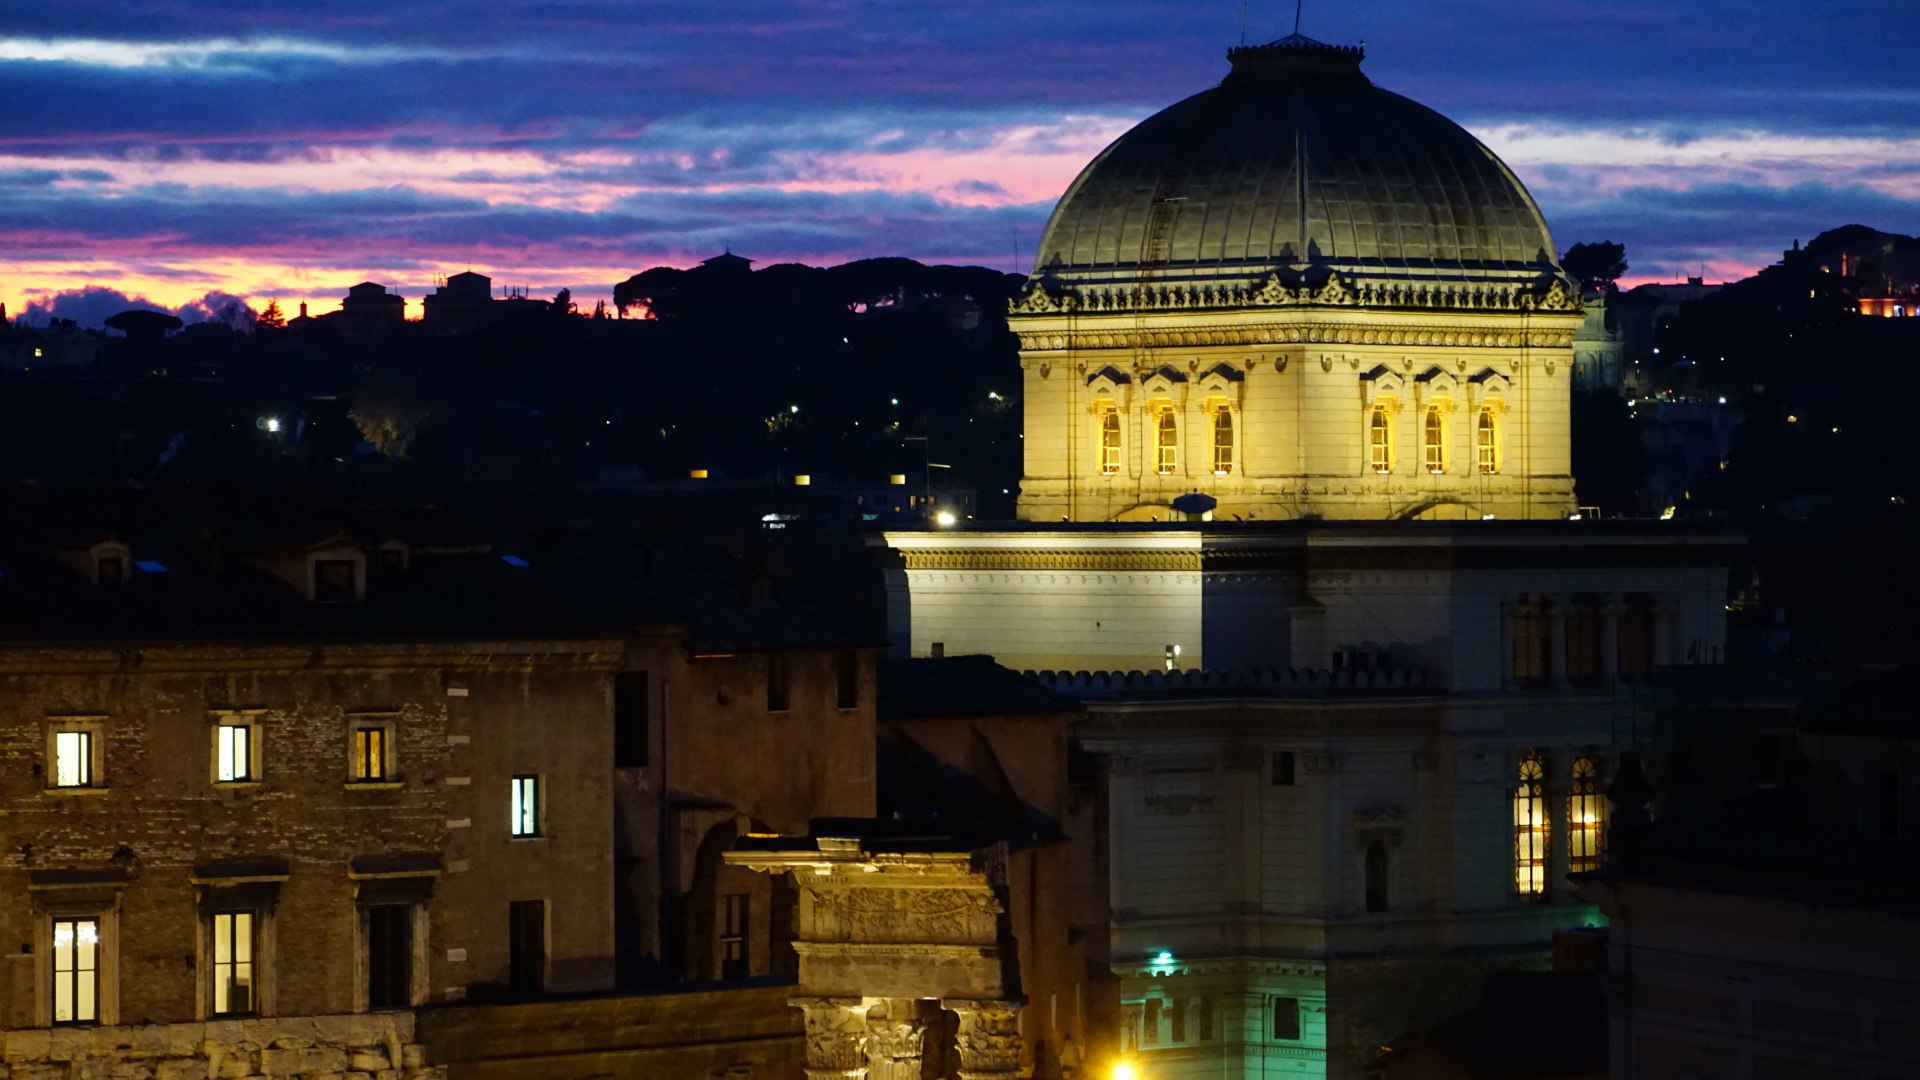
248, 721
1166, 441
355, 587
1287, 1008
1532, 864
1110, 444
1487, 441
526, 807
1223, 449
389, 776
1586, 837
252, 961
1380, 439
92, 729
734, 935
1433, 439
75, 919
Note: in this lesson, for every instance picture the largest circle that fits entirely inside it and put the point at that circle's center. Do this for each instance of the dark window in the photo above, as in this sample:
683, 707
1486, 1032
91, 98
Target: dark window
1283, 768
1584, 626
1377, 875
630, 705
1889, 803
333, 579
1286, 1018
393, 558
939, 649
846, 681
733, 936
1636, 639
1206, 1020
1530, 641
1150, 1029
111, 571
389, 956
1177, 1012
776, 684
527, 946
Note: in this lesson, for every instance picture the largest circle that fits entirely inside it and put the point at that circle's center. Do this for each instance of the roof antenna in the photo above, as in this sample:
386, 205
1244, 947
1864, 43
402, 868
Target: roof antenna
1296, 15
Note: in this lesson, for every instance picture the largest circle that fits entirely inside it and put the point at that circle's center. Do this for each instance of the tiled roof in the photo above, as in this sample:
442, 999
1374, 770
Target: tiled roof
1885, 706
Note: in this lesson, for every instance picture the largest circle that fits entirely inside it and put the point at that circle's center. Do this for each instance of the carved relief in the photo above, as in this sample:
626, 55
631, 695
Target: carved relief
1051, 560
988, 1039
895, 1040
933, 916
836, 1037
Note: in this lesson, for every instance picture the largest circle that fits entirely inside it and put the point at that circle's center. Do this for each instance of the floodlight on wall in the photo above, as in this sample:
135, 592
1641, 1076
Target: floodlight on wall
945, 518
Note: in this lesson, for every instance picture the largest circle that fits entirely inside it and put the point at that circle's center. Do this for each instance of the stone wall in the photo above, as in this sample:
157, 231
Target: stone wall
363, 1047
745, 1033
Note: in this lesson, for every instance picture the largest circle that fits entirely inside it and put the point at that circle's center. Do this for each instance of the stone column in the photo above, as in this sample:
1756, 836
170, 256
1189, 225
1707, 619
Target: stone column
1556, 610
836, 1036
988, 1039
896, 1033
1506, 645
1610, 609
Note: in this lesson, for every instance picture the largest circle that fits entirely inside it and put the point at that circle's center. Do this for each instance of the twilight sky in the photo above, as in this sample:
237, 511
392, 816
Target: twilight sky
265, 148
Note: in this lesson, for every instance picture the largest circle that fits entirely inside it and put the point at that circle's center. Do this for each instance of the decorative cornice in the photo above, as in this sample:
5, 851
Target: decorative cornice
1295, 334
1049, 297
1001, 559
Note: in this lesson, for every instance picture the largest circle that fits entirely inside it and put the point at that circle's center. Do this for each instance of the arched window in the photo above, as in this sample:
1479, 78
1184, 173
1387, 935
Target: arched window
1110, 441
1222, 441
1531, 829
1166, 443
1583, 816
1484, 442
1379, 441
1433, 440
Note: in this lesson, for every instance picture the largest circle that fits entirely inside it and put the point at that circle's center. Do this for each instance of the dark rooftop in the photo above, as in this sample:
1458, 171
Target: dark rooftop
956, 686
1885, 706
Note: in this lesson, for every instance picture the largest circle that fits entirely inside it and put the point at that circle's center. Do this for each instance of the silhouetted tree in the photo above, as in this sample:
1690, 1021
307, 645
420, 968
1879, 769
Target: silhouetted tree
272, 318
1596, 266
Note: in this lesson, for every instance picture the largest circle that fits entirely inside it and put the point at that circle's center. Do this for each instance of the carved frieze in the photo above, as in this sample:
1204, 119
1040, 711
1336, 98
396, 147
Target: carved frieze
1051, 560
933, 916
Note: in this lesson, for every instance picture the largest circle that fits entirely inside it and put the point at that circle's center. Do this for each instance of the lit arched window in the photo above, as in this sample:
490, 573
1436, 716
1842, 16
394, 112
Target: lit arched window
1166, 443
1583, 816
1484, 443
1222, 441
1531, 829
1110, 441
1433, 439
1379, 441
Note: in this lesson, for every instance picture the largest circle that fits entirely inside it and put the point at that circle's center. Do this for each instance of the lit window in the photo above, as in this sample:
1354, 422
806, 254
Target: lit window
1530, 829
1433, 440
1485, 443
76, 971
232, 962
733, 936
1222, 441
1584, 817
370, 753
526, 806
1379, 441
73, 759
1166, 443
233, 753
1110, 442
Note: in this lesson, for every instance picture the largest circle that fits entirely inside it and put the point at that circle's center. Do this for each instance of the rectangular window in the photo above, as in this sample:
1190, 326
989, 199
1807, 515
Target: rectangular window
1110, 442
1222, 442
1636, 639
333, 580
1150, 1026
733, 936
1283, 768
631, 734
1376, 875
1379, 440
1286, 1018
73, 759
846, 680
1434, 440
76, 971
776, 684
110, 570
1207, 1021
1530, 641
525, 806
1177, 1013
370, 753
389, 956
1584, 631
1487, 448
527, 946
233, 753
233, 963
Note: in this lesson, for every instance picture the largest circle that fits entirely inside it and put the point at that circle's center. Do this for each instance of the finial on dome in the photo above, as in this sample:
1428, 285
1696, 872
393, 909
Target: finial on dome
1296, 57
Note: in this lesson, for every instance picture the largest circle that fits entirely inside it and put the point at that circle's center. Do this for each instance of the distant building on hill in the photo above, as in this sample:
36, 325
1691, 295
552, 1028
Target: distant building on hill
368, 311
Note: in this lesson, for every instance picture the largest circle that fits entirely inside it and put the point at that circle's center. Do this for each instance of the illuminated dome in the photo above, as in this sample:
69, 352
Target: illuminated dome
1296, 160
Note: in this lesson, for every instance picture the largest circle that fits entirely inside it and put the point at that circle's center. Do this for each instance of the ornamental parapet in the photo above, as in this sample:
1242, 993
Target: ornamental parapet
1254, 679
1283, 288
1341, 333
